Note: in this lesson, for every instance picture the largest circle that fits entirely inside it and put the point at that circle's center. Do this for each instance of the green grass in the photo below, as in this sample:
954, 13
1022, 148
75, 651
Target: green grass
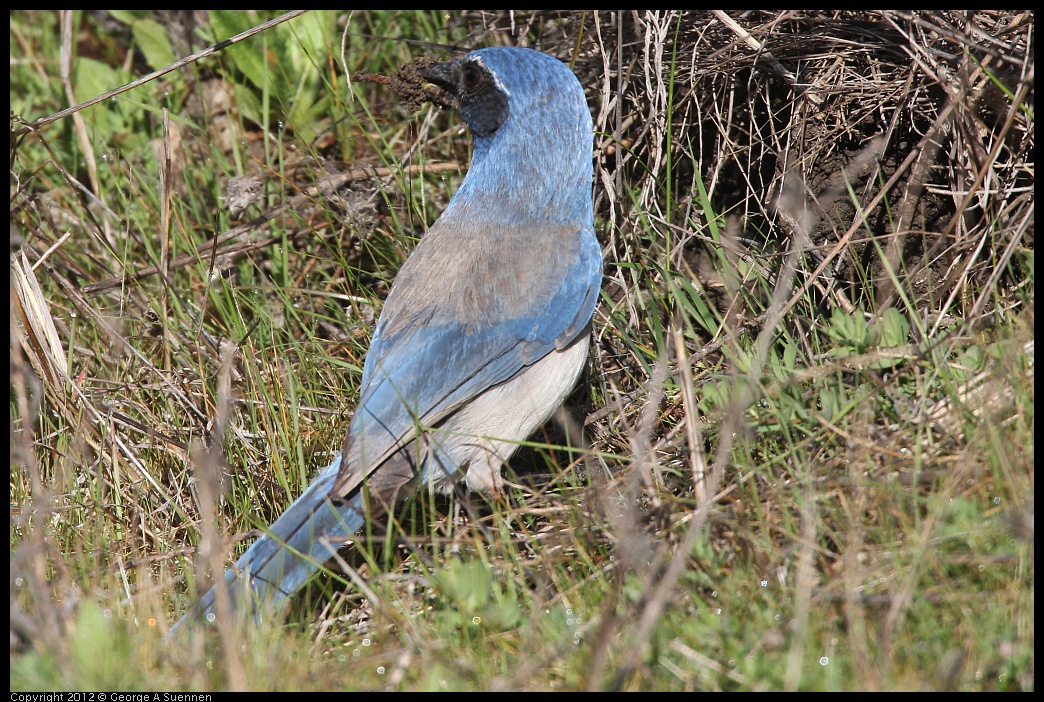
767, 480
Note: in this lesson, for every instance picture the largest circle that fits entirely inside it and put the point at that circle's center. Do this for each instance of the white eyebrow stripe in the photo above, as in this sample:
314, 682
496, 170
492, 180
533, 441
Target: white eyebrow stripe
496, 79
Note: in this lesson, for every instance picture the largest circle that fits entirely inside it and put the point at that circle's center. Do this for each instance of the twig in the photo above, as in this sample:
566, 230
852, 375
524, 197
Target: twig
156, 74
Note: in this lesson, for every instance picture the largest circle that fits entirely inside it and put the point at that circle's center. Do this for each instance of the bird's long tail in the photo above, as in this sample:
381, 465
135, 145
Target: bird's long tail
290, 551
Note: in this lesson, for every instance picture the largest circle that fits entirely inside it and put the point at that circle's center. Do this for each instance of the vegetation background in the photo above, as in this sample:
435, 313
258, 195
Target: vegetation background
802, 457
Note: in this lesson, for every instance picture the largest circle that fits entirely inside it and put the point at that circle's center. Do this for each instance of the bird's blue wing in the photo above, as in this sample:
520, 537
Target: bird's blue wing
421, 372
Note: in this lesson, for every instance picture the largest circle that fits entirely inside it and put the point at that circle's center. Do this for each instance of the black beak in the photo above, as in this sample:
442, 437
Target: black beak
445, 78
446, 75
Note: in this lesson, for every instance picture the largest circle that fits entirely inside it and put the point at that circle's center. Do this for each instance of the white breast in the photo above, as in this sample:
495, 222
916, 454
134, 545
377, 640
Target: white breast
478, 439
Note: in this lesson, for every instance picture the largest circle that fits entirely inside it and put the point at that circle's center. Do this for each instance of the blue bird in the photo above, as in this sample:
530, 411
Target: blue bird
484, 333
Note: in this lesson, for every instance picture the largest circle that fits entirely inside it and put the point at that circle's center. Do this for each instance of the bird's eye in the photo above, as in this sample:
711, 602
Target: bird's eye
472, 78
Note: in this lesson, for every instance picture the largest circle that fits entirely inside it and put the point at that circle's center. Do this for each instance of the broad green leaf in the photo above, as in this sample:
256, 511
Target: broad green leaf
154, 43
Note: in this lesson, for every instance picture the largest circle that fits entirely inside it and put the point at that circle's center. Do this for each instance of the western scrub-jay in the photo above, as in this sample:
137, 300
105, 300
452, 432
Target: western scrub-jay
485, 330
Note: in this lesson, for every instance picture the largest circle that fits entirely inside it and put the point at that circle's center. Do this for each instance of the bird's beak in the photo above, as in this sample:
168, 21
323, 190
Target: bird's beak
446, 75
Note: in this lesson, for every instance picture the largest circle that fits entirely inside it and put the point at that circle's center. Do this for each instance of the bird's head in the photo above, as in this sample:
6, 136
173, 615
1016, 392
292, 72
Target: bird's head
530, 121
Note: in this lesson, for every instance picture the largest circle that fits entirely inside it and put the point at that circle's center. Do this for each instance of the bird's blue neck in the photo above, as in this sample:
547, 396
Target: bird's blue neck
513, 178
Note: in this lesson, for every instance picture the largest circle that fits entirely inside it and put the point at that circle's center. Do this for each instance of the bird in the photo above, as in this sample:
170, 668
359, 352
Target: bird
485, 330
